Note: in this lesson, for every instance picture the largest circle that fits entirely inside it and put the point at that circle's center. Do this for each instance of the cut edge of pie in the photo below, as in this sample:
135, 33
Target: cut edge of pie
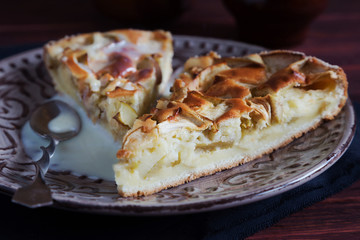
115, 76
224, 112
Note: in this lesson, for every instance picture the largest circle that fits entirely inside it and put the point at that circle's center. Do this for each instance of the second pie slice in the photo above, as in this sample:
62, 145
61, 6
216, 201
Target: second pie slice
114, 75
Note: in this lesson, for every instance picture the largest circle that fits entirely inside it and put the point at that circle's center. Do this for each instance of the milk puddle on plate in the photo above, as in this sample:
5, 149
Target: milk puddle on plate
91, 153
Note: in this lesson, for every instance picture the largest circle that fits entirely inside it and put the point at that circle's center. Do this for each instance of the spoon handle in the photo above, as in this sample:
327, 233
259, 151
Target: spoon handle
37, 194
44, 162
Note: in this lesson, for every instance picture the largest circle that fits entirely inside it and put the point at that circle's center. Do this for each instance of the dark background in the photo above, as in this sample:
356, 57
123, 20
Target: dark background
333, 36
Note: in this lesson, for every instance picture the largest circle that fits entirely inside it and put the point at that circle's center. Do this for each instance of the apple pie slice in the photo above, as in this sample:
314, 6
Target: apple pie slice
114, 75
224, 112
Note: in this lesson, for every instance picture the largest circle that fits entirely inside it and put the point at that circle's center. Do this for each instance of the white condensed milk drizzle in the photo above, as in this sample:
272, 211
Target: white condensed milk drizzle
91, 153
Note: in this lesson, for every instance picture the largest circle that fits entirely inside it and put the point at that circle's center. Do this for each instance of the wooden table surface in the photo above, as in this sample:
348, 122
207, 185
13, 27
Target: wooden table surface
334, 37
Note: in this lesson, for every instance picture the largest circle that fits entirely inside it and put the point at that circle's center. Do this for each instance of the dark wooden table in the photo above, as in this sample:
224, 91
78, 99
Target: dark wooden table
334, 37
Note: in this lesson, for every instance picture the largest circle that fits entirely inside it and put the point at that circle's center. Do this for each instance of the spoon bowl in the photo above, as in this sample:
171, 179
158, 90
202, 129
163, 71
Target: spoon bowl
44, 115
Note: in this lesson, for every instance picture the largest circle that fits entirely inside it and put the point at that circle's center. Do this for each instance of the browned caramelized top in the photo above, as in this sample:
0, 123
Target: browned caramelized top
242, 86
249, 75
97, 59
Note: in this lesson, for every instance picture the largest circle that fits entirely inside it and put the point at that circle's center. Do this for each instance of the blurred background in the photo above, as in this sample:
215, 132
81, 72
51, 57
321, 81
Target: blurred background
328, 29
265, 22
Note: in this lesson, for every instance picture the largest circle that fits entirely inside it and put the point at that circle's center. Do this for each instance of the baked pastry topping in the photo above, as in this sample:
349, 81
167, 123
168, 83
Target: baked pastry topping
114, 75
224, 112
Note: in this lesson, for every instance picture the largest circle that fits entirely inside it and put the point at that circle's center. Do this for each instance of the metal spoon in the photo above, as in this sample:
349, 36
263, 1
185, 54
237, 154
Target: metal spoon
38, 194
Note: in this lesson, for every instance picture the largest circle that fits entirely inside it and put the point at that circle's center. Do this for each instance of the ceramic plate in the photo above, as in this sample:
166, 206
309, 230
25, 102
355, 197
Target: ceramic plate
24, 83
